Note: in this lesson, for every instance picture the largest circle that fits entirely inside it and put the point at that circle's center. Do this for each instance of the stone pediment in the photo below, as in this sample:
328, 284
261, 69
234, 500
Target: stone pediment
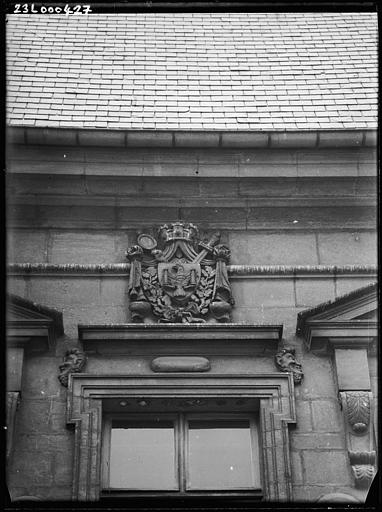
351, 318
31, 322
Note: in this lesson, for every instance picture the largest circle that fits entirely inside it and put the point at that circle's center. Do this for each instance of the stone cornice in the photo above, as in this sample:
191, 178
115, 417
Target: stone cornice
214, 138
229, 337
235, 271
344, 334
168, 331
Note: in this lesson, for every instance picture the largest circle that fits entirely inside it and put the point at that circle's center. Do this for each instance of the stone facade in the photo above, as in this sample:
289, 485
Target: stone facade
296, 242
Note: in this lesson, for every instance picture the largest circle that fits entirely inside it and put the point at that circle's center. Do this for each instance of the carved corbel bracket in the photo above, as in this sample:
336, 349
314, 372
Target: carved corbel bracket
74, 362
356, 406
285, 360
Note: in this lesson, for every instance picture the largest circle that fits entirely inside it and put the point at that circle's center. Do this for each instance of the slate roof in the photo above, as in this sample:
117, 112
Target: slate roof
193, 71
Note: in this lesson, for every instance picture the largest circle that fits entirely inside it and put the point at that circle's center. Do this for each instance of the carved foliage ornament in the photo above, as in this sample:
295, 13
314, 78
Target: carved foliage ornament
285, 360
357, 407
74, 362
178, 278
357, 410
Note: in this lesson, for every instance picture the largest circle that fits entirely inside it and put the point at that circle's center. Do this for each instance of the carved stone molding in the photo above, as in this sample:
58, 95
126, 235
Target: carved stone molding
13, 401
178, 278
180, 364
363, 468
357, 409
356, 405
285, 360
74, 361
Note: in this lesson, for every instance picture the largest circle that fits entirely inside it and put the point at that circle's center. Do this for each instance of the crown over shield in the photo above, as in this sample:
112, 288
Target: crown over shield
179, 278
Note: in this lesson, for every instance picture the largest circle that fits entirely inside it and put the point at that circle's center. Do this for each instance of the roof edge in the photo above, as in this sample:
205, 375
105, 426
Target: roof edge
181, 138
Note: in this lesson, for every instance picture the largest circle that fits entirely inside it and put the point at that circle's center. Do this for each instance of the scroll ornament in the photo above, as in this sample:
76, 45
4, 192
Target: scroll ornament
357, 411
177, 278
74, 362
285, 360
357, 407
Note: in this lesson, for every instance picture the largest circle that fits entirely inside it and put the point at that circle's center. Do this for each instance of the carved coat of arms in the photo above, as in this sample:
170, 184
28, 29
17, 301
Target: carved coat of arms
178, 278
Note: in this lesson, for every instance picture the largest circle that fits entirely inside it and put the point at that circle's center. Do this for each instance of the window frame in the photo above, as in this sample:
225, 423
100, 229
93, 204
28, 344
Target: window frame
181, 452
275, 392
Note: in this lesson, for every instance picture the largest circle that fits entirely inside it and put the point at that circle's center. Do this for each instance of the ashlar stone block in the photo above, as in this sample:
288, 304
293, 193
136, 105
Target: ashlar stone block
326, 467
352, 369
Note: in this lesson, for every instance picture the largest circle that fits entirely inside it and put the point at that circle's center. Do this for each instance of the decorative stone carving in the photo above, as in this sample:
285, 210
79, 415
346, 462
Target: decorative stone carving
356, 407
179, 278
363, 467
180, 364
356, 404
285, 360
74, 362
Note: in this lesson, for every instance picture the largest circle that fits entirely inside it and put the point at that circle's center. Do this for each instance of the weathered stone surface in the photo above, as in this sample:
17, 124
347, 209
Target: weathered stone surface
128, 218
347, 248
32, 417
317, 441
318, 380
322, 170
161, 187
310, 292
22, 475
62, 292
24, 246
304, 416
352, 369
76, 217
325, 467
211, 218
17, 286
81, 248
273, 248
296, 463
264, 292
113, 186
15, 358
271, 315
92, 315
114, 291
326, 416
45, 185
41, 375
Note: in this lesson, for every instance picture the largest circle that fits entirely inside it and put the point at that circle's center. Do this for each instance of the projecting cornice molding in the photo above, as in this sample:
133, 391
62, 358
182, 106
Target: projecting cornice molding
348, 322
211, 139
30, 324
235, 338
235, 271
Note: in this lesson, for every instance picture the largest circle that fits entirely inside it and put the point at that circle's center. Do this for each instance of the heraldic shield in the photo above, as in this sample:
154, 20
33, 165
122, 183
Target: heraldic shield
178, 278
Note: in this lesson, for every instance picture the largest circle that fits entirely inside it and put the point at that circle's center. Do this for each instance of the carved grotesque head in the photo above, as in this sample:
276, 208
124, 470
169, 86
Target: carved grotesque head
285, 360
74, 361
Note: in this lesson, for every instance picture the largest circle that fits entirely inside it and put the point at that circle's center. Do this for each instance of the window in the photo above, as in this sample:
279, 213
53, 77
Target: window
181, 453
266, 401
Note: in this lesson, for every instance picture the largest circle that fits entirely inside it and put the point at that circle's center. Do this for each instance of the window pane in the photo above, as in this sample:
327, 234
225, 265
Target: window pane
142, 455
220, 455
